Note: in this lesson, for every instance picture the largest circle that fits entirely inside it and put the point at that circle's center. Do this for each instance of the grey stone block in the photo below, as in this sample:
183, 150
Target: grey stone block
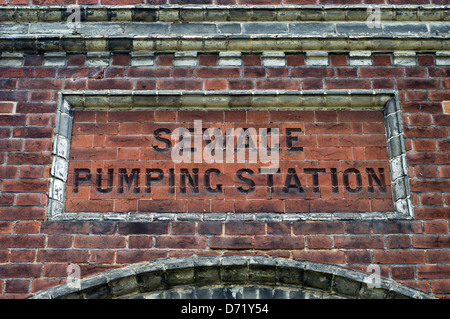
356, 27
265, 293
442, 58
119, 44
288, 275
181, 276
439, 28
48, 43
123, 285
397, 168
259, 273
203, 293
234, 269
313, 295
345, 286
63, 125
233, 293
185, 59
371, 293
391, 107
98, 292
188, 293
233, 28
296, 294
144, 14
11, 59
14, 28
230, 58
171, 294
146, 28
24, 44
142, 58
404, 207
316, 58
392, 125
57, 190
399, 189
150, 281
7, 45
280, 294
360, 58
61, 146
51, 28
97, 59
7, 14
311, 27
264, 28
250, 293
59, 168
218, 293
51, 15
405, 58
55, 208
208, 275
193, 28
405, 28
102, 28
318, 280
55, 58
395, 146
273, 59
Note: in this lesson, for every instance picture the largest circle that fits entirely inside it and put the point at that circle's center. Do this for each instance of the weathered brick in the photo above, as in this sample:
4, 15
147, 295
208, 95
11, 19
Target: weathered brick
359, 242
323, 256
138, 255
399, 257
20, 270
431, 241
440, 286
183, 228
156, 228
318, 242
318, 228
66, 255
91, 241
397, 227
240, 228
27, 186
230, 242
184, 242
279, 242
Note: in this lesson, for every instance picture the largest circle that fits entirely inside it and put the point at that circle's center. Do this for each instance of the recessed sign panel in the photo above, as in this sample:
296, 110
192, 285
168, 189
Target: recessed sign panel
183, 161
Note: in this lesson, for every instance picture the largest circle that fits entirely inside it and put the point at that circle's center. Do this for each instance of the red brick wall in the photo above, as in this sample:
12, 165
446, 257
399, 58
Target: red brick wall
35, 252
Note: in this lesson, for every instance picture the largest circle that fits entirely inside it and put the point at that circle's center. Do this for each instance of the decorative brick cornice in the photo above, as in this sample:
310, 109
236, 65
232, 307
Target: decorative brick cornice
225, 28
224, 13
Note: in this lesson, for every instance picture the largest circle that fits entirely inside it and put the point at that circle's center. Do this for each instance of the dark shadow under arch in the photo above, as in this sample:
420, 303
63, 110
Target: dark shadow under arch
232, 277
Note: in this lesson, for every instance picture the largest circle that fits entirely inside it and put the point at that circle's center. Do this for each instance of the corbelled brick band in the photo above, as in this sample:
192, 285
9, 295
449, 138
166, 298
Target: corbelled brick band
305, 56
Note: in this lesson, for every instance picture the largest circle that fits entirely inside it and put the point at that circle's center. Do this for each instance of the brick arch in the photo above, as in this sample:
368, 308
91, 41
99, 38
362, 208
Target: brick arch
231, 277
